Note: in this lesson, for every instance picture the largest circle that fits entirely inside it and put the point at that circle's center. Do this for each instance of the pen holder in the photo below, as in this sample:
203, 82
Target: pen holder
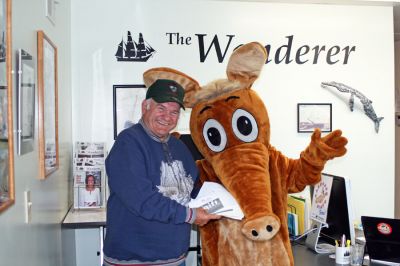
342, 255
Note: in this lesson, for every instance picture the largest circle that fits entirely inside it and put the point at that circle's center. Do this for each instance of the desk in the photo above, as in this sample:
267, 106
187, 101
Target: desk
303, 256
86, 228
87, 218
95, 219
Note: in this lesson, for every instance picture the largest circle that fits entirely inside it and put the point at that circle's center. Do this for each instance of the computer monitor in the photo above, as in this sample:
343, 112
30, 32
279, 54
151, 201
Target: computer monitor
339, 217
187, 139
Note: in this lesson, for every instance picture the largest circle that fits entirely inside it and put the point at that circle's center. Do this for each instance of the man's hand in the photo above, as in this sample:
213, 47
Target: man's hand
203, 217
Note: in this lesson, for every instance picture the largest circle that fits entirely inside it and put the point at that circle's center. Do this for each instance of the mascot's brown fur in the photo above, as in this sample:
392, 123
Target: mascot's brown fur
230, 126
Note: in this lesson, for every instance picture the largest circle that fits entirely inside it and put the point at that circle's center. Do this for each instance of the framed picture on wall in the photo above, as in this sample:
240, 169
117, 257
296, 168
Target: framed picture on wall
25, 102
48, 106
127, 105
314, 115
51, 10
7, 184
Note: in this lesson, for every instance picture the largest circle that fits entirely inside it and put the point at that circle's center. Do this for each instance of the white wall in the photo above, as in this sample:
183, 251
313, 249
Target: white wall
369, 162
39, 243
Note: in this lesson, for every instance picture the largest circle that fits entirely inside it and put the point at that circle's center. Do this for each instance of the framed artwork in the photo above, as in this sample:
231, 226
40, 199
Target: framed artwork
314, 115
25, 102
51, 10
127, 105
7, 192
48, 106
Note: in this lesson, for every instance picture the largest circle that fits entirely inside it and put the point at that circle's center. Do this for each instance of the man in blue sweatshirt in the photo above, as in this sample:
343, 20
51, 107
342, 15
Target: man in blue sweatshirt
151, 175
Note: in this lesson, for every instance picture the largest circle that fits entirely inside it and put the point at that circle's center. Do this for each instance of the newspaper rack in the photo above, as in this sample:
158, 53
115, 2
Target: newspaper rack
89, 175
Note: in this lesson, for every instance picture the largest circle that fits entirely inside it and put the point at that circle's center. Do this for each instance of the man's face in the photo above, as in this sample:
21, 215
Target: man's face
160, 118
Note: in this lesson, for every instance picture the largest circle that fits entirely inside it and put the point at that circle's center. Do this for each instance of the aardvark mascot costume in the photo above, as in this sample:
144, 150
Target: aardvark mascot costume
230, 126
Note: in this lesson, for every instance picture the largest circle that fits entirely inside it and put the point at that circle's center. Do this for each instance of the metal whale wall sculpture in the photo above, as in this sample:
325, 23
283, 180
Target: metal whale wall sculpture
367, 103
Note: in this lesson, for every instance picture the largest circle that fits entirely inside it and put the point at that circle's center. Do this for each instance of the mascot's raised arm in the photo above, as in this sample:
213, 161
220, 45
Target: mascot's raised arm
230, 126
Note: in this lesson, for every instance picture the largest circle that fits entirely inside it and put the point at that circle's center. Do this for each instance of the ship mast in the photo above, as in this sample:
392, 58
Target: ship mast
141, 48
130, 49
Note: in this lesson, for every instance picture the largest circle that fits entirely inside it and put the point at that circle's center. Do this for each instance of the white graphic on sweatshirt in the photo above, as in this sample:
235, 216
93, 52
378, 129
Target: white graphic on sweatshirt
175, 184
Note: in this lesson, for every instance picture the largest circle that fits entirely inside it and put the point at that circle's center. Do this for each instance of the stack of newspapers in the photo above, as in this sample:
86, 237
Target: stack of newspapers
217, 200
88, 168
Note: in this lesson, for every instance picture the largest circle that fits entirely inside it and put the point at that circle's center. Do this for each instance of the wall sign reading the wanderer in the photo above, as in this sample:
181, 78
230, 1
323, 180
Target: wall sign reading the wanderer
287, 53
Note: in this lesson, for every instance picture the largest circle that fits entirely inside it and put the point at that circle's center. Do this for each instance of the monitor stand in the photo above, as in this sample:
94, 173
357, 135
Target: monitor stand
313, 237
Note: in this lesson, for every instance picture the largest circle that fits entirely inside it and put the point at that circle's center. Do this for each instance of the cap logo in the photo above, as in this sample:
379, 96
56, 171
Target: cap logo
173, 88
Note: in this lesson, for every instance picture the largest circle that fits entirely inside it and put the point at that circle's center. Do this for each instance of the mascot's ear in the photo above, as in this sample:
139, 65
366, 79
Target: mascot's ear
189, 84
246, 62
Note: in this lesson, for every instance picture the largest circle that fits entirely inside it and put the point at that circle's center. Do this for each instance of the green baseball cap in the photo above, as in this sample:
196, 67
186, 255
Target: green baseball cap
166, 90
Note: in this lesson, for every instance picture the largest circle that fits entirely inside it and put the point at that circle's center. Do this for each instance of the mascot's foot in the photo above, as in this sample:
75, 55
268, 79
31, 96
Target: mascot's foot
262, 228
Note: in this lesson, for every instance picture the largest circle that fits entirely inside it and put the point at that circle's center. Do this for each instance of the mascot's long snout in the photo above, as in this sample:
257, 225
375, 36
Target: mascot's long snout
243, 170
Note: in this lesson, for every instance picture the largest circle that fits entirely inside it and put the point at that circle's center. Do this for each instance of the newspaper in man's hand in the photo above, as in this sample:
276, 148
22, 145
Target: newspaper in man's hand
217, 200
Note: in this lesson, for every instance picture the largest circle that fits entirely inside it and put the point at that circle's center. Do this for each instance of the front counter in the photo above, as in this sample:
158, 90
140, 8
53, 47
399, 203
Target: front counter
88, 228
83, 234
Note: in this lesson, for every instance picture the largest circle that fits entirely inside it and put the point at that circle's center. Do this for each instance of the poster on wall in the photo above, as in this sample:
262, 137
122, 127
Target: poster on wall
127, 105
127, 108
314, 115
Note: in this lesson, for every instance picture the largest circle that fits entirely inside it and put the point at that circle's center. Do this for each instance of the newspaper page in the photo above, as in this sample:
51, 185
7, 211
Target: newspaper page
217, 200
89, 175
90, 150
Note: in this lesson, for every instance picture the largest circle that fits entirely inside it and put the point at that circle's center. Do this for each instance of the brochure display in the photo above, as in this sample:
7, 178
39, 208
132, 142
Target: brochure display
89, 175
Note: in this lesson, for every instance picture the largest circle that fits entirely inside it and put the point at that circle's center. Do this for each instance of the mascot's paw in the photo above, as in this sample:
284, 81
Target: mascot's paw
262, 228
330, 146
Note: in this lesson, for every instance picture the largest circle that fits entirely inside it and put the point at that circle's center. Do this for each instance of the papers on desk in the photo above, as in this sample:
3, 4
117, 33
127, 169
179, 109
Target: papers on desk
217, 200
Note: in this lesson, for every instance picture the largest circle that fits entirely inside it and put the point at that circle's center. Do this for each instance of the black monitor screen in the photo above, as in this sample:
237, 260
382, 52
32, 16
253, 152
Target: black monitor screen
187, 139
339, 216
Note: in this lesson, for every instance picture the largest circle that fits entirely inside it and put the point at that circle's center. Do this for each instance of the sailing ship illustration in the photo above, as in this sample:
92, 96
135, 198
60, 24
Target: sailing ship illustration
132, 51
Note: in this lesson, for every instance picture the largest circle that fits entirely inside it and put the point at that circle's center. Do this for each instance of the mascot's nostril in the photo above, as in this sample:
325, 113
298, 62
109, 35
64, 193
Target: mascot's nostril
269, 228
254, 232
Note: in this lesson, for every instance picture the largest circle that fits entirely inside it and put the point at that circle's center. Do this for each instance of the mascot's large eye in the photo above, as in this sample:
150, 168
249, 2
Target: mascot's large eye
214, 134
244, 125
